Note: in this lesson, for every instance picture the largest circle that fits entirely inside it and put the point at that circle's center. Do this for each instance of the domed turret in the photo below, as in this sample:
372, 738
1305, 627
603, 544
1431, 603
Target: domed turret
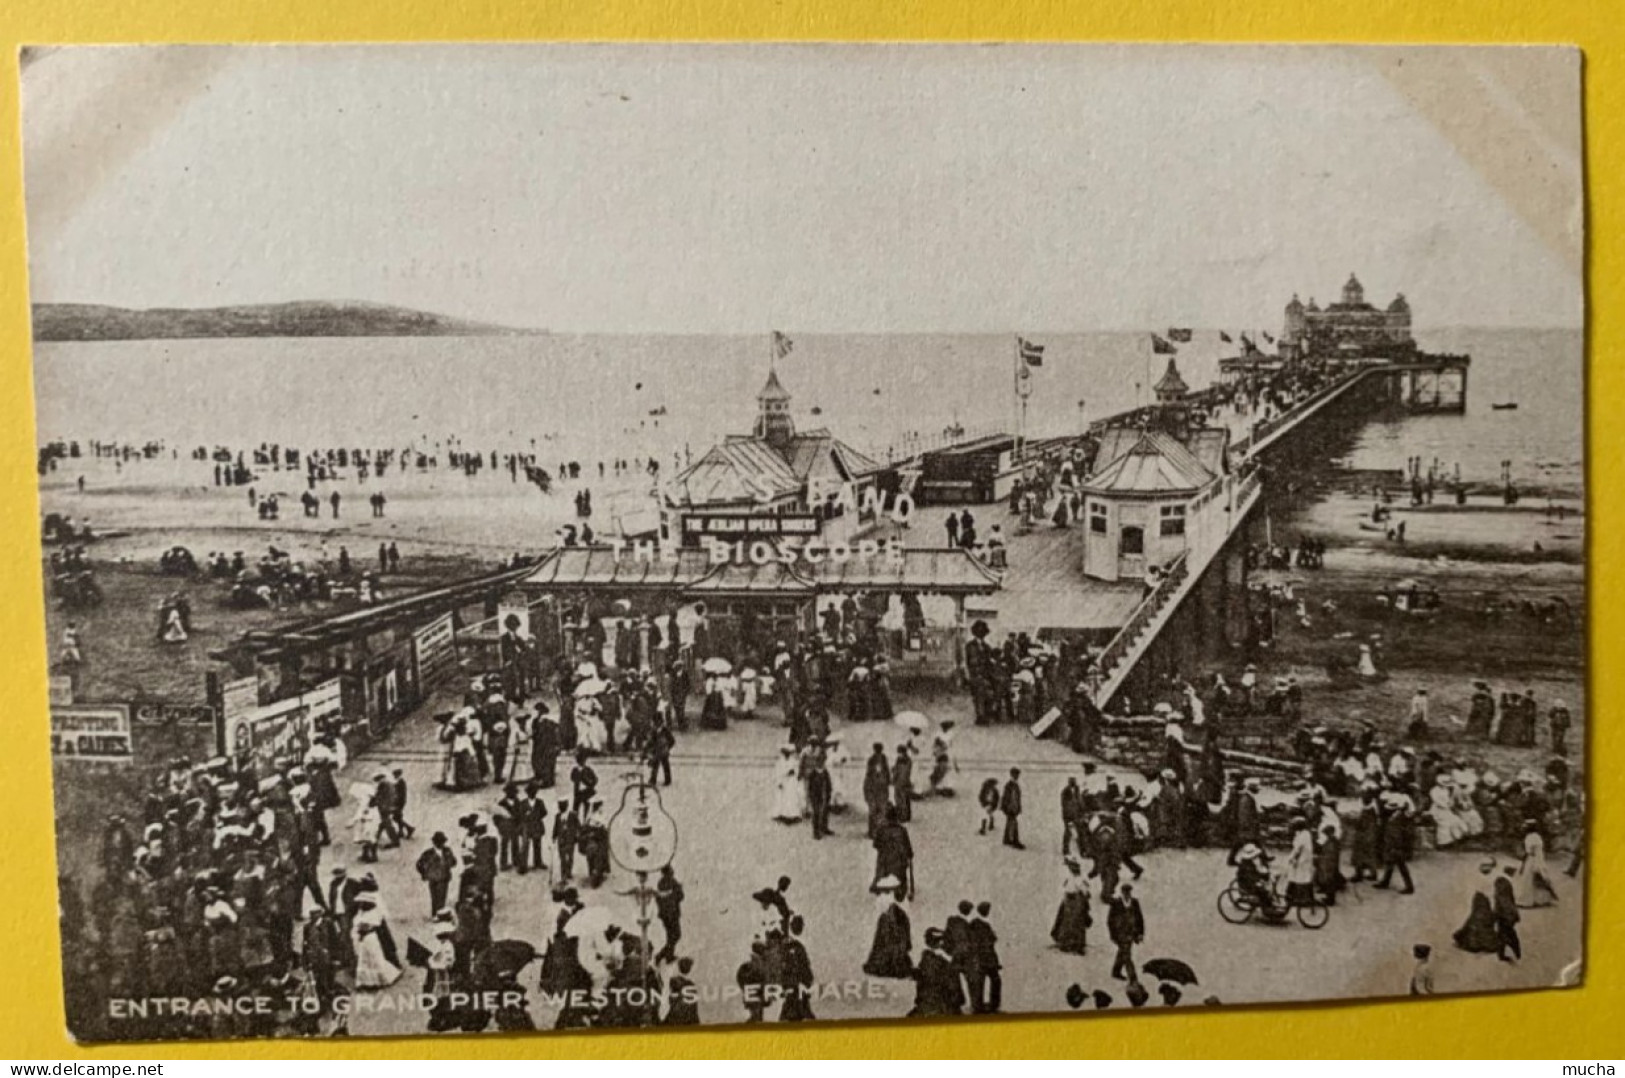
773, 422
1399, 306
1172, 388
1353, 292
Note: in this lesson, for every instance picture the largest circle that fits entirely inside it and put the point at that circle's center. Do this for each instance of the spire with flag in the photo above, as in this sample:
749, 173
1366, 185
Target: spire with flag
782, 346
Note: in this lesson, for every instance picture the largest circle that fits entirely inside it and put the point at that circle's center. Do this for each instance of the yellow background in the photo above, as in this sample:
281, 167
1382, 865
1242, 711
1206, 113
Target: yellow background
1588, 1023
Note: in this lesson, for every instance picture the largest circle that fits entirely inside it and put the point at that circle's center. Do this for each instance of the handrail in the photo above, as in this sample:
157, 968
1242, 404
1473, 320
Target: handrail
1143, 614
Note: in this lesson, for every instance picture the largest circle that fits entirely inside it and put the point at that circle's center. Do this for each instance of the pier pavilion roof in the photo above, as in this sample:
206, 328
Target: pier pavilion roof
1152, 462
743, 469
692, 573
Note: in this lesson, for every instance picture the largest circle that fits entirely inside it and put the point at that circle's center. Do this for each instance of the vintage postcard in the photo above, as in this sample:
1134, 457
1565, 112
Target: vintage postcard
606, 536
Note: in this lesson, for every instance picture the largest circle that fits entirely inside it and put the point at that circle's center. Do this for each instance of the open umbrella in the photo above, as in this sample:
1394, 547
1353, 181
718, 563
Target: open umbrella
417, 954
911, 720
587, 670
717, 665
621, 606
507, 957
590, 687
1170, 969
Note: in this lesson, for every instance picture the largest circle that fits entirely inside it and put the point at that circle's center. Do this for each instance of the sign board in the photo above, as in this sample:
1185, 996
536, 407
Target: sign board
272, 734
748, 526
325, 702
96, 733
435, 649
239, 697
151, 713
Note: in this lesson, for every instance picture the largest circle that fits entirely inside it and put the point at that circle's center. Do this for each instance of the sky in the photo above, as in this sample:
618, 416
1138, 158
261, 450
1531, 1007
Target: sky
716, 189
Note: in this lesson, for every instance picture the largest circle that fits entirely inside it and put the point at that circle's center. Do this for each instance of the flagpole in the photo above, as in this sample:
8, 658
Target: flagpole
1015, 400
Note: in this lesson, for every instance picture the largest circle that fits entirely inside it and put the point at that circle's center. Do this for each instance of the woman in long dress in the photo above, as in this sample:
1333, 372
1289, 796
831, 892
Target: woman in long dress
174, 628
714, 712
1449, 828
591, 734
1532, 886
372, 969
1478, 934
463, 765
880, 703
1072, 920
891, 952
942, 761
789, 798
1466, 783
749, 692
364, 828
840, 778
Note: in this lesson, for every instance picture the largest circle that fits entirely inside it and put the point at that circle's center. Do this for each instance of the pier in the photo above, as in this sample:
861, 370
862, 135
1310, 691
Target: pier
1047, 592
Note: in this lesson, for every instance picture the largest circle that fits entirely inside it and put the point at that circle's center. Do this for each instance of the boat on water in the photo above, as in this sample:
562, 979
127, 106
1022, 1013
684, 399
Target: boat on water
1507, 406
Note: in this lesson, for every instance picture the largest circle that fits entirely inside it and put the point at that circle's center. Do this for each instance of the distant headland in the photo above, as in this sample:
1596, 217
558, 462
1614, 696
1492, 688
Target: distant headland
307, 318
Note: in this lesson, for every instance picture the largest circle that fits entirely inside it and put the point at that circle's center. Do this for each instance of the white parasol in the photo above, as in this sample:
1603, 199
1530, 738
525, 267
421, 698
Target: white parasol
911, 720
717, 665
591, 687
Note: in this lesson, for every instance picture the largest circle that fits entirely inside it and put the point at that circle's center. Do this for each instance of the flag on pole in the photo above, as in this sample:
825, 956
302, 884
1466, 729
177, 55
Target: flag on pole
1180, 335
1031, 354
1161, 347
782, 345
1267, 337
1225, 337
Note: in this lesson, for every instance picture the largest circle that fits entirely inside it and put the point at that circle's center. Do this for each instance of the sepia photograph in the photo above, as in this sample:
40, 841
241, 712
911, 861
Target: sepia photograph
555, 536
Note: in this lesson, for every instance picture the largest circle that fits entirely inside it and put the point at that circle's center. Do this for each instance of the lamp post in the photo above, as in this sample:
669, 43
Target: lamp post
642, 839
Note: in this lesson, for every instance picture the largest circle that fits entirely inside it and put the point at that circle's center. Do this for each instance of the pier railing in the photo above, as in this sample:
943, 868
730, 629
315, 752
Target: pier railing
1261, 431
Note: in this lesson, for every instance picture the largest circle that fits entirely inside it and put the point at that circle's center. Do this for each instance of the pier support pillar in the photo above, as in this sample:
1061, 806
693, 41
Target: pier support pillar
1233, 569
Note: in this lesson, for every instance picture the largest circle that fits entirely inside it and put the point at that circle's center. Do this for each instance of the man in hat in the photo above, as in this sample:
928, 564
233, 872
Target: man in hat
984, 972
436, 866
820, 789
1125, 924
1396, 840
396, 816
530, 819
669, 898
505, 817
657, 749
566, 834
1072, 817
1010, 806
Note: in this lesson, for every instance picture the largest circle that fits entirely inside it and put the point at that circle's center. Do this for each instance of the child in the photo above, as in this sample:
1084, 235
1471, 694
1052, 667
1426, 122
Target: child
988, 798
1422, 975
